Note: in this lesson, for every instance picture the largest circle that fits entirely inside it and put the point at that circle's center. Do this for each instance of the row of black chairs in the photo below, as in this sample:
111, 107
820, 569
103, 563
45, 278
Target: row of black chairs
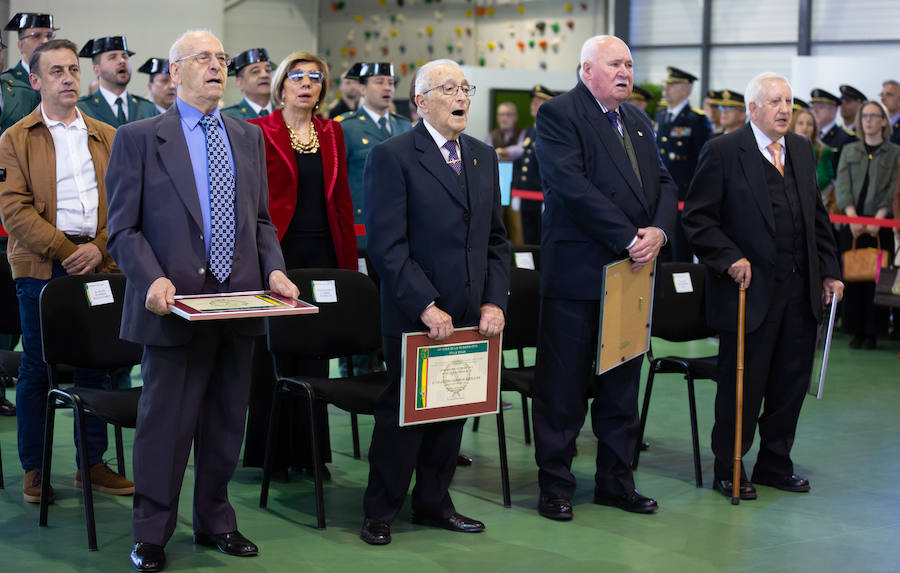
66, 315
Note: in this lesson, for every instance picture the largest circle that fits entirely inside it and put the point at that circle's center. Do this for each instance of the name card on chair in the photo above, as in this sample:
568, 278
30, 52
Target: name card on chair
363, 268
524, 260
324, 291
98, 293
682, 282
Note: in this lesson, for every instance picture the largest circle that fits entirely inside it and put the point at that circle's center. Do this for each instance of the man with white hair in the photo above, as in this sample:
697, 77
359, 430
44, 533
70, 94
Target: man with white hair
437, 241
607, 197
754, 217
188, 214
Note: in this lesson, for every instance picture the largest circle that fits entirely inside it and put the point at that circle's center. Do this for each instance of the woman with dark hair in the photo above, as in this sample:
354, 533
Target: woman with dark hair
866, 179
311, 208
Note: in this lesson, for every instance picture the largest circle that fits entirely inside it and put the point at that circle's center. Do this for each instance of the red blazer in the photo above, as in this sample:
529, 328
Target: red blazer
282, 171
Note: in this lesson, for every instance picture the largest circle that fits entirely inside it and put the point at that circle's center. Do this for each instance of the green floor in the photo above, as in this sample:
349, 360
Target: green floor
847, 445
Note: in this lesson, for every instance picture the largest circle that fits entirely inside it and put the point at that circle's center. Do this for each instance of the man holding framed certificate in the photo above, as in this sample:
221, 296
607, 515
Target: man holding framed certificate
437, 241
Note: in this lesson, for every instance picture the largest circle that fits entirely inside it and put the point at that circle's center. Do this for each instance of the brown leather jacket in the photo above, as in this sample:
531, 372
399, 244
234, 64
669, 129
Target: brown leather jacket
28, 196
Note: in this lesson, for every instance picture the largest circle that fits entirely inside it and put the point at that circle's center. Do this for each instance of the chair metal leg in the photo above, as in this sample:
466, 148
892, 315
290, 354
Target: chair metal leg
270, 444
86, 488
1, 469
698, 473
504, 464
48, 453
120, 450
476, 422
316, 461
646, 406
526, 421
354, 428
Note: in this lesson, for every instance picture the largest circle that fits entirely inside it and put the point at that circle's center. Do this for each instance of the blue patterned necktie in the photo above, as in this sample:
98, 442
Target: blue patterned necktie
613, 117
453, 159
221, 200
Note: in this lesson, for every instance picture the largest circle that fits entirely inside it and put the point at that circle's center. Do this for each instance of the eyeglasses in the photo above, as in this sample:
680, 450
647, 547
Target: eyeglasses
872, 116
204, 58
39, 35
297, 75
452, 89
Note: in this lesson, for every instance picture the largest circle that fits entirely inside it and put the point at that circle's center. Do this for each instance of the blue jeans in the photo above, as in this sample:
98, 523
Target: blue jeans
33, 384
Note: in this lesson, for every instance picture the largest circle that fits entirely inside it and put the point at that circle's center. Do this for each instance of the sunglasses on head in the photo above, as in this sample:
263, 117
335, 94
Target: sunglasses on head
297, 75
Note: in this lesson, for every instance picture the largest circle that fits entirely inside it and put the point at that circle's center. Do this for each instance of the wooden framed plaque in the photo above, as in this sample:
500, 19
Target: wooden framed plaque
626, 310
456, 378
245, 304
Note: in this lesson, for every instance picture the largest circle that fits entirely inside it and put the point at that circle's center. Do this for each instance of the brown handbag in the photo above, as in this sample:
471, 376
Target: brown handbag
862, 265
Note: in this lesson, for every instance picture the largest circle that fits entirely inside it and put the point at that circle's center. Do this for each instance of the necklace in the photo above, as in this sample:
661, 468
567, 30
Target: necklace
311, 146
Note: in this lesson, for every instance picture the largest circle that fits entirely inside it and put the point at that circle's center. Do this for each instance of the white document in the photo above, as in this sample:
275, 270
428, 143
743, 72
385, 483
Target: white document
524, 260
99, 292
361, 263
682, 282
324, 291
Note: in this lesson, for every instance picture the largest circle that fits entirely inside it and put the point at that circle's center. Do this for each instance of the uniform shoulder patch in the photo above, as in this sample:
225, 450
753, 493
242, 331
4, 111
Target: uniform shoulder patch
340, 118
698, 111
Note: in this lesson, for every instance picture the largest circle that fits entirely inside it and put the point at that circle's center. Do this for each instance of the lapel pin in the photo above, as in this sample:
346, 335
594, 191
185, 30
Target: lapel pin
640, 134
474, 162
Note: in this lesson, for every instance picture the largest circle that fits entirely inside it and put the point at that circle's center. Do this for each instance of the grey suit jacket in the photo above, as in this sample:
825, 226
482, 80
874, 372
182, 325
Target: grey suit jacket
156, 227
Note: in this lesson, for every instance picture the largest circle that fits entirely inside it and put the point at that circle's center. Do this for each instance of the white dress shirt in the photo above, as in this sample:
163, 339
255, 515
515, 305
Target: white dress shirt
440, 140
375, 117
77, 200
763, 141
256, 108
111, 100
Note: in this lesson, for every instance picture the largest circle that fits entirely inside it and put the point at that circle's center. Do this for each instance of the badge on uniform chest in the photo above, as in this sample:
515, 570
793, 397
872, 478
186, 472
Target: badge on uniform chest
680, 132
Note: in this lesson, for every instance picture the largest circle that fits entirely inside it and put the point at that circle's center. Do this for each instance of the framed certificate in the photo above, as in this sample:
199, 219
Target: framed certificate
456, 378
625, 312
246, 304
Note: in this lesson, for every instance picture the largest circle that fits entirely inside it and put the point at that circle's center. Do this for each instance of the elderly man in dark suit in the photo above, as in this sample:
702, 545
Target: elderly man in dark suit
754, 216
607, 196
188, 213
437, 240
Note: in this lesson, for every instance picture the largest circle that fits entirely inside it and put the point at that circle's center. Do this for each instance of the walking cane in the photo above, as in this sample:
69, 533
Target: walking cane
739, 392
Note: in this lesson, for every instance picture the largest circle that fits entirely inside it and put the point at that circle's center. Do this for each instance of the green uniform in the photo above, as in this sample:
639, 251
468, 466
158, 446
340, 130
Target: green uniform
241, 110
360, 135
18, 101
19, 75
96, 107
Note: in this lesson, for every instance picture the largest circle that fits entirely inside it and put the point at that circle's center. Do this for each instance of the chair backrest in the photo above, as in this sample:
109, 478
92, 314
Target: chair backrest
363, 255
350, 326
78, 334
680, 316
523, 309
9, 303
523, 254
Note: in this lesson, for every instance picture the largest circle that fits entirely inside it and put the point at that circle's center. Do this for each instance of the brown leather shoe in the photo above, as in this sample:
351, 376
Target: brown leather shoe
31, 487
104, 480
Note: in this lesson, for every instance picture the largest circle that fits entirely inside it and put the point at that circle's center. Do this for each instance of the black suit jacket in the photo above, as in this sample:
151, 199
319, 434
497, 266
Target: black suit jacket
593, 202
156, 227
427, 240
728, 216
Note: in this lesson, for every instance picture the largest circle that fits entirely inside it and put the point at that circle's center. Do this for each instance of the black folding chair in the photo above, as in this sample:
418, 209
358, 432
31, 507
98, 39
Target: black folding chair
80, 335
521, 332
352, 325
679, 317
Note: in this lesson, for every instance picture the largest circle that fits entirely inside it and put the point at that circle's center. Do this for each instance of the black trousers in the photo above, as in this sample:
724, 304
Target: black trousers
564, 379
193, 394
428, 449
679, 250
532, 211
777, 366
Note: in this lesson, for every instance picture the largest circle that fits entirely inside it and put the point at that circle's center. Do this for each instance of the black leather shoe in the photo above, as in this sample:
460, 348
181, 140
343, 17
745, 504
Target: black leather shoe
375, 532
556, 507
463, 460
792, 482
453, 522
723, 486
631, 501
148, 557
228, 543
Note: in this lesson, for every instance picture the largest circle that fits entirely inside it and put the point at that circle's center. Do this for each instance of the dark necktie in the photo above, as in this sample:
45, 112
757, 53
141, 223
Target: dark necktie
120, 111
263, 112
221, 200
613, 117
382, 124
453, 159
